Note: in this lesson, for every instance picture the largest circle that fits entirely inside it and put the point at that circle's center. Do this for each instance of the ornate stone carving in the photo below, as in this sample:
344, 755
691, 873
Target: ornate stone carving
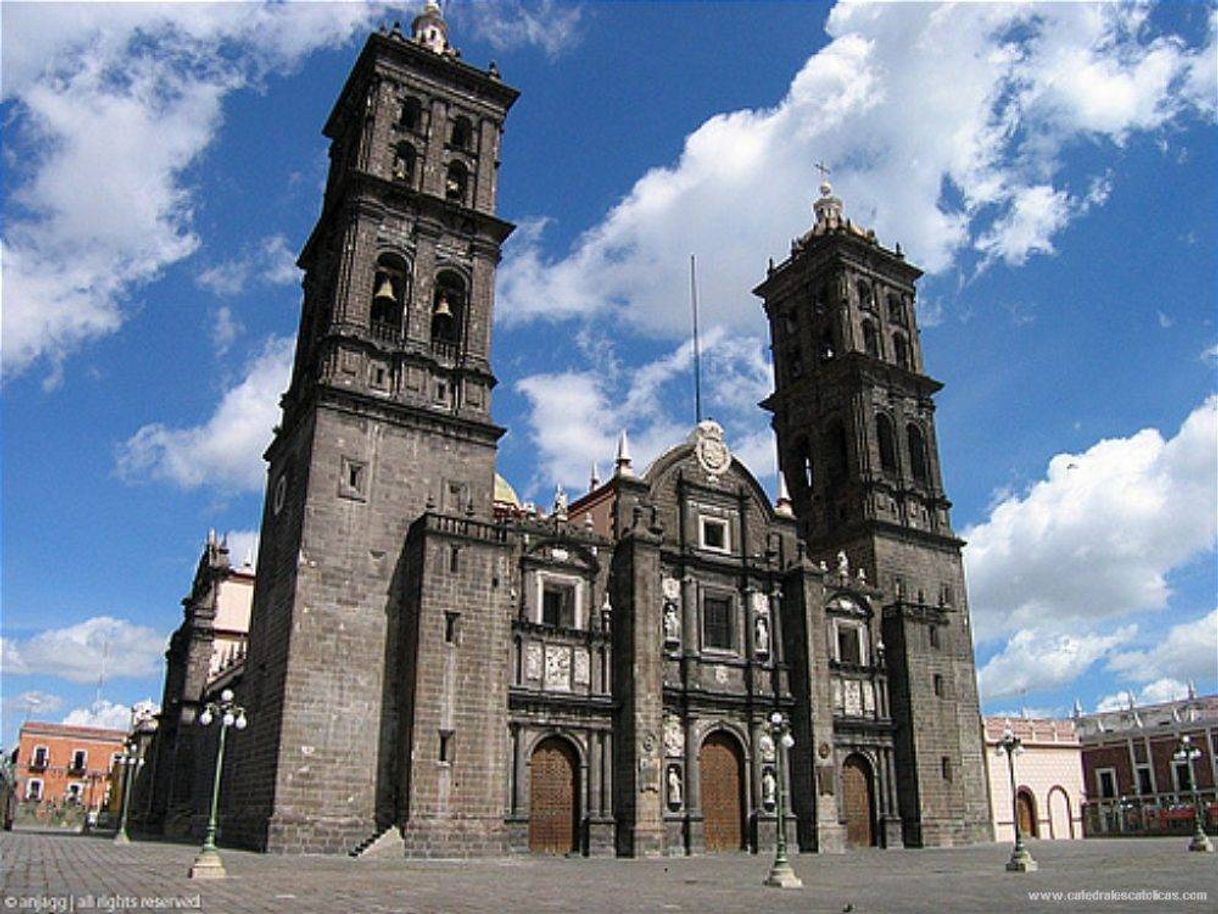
674, 737
532, 660
853, 698
766, 745
711, 449
558, 667
672, 624
583, 669
671, 588
769, 788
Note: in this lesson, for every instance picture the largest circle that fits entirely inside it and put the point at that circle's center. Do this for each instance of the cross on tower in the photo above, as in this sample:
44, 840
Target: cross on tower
823, 169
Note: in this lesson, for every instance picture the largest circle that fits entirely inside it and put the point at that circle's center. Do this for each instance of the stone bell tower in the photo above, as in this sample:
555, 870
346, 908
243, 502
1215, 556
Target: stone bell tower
387, 416
854, 415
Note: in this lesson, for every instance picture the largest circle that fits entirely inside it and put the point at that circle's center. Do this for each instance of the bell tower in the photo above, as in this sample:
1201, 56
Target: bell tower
388, 415
853, 410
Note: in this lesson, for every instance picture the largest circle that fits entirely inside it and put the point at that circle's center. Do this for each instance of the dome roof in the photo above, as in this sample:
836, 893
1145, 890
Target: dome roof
504, 493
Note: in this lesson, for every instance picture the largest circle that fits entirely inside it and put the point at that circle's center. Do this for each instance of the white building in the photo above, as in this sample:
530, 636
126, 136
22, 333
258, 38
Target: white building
1048, 778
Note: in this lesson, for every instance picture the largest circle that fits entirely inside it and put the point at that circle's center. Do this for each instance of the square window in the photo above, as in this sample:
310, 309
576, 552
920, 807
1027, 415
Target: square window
946, 765
938, 682
79, 760
450, 627
1145, 786
1107, 778
714, 534
558, 605
446, 746
717, 622
33, 789
848, 647
933, 632
353, 479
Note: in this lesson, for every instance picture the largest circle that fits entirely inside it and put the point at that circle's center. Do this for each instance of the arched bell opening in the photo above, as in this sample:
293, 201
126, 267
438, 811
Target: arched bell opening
389, 293
448, 310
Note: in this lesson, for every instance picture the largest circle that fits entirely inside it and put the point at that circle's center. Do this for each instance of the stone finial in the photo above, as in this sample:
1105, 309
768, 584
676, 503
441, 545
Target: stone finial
828, 208
1078, 709
595, 479
843, 564
783, 505
560, 502
862, 575
1192, 690
622, 465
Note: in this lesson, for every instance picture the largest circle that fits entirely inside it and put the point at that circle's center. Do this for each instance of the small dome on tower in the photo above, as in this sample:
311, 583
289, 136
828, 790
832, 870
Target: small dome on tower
429, 28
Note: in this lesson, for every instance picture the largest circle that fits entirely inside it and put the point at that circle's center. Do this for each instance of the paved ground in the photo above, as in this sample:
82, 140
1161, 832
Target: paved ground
62, 873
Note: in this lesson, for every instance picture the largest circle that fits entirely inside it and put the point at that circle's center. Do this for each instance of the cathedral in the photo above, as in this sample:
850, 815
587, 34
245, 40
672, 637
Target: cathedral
433, 667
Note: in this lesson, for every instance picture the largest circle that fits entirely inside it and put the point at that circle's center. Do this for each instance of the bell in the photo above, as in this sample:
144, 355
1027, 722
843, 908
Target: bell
384, 291
442, 308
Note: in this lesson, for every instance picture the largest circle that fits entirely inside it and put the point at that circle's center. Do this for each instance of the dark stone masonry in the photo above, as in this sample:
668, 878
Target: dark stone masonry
433, 664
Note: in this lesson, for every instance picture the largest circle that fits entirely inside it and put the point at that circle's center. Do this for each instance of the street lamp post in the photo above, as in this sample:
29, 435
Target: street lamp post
781, 875
208, 864
129, 761
1021, 861
1188, 753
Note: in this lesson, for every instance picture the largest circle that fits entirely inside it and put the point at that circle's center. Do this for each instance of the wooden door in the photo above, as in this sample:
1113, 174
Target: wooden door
722, 769
553, 793
1027, 814
856, 802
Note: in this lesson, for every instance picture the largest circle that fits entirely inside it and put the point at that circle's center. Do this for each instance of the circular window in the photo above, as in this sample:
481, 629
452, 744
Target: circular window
281, 492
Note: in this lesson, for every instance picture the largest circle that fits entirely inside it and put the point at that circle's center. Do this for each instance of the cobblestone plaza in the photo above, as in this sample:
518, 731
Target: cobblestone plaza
53, 872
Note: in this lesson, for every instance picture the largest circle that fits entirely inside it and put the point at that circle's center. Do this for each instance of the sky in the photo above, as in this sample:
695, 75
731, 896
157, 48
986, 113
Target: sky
1051, 168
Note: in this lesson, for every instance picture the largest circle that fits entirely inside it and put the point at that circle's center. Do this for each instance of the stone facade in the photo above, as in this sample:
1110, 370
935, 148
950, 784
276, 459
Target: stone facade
476, 677
853, 410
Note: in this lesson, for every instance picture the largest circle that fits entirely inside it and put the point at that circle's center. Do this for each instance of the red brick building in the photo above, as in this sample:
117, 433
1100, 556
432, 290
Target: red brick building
1133, 783
65, 764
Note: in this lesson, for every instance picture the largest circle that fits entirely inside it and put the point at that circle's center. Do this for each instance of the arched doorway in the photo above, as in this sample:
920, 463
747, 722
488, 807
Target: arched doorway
721, 764
1061, 824
856, 802
553, 798
1025, 808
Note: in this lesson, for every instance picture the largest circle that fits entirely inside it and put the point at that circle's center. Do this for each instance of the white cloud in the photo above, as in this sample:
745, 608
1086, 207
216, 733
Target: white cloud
242, 548
1035, 660
270, 262
80, 652
1153, 693
101, 713
1096, 539
509, 24
1188, 650
226, 450
224, 329
952, 147
110, 104
32, 704
575, 416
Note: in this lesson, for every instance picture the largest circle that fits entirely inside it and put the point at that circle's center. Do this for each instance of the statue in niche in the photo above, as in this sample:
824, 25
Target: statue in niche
761, 634
672, 624
769, 788
843, 564
674, 787
766, 744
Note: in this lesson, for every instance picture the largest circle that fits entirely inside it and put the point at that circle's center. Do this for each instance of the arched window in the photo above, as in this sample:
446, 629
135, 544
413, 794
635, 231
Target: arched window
871, 339
412, 114
448, 308
917, 453
800, 476
865, 294
900, 350
839, 451
462, 133
888, 444
896, 309
404, 158
456, 182
389, 292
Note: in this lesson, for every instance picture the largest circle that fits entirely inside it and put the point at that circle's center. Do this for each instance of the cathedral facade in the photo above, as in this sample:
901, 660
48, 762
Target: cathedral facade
431, 665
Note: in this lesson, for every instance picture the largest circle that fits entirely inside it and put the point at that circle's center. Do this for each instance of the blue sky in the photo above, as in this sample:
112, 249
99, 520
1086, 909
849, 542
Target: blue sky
1051, 167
